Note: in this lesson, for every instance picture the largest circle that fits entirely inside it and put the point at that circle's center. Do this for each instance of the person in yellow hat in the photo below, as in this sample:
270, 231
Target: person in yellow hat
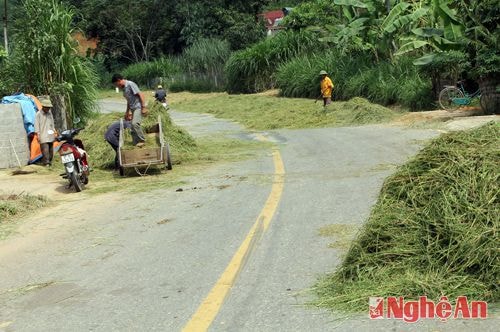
45, 130
326, 86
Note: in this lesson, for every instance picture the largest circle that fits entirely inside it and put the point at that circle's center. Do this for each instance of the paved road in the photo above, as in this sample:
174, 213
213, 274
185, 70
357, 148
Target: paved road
145, 262
112, 105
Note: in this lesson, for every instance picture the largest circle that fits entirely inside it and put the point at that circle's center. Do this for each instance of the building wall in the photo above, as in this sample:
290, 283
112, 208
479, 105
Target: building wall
12, 130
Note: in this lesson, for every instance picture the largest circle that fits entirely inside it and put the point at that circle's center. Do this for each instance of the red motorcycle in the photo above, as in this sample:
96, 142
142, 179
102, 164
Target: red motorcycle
74, 159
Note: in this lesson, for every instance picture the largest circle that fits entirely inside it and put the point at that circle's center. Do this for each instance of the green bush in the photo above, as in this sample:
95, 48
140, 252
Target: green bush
312, 13
416, 93
254, 69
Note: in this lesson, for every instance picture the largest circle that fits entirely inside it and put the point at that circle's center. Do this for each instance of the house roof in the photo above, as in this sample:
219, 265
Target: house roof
271, 16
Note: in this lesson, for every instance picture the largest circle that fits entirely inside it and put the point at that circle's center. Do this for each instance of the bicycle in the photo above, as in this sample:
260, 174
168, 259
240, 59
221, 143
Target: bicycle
453, 97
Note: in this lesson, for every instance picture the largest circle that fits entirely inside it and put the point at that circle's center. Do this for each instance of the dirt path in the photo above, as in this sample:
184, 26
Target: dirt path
38, 182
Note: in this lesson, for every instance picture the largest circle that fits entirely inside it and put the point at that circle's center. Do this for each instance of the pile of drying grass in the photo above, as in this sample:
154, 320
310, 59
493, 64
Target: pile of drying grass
360, 111
266, 111
18, 204
101, 154
433, 231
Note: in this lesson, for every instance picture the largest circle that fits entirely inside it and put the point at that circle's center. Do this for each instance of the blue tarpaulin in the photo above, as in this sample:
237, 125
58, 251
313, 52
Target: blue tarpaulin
28, 108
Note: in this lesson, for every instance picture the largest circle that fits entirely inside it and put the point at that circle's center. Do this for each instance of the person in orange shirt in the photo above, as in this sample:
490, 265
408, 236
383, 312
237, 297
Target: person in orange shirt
326, 88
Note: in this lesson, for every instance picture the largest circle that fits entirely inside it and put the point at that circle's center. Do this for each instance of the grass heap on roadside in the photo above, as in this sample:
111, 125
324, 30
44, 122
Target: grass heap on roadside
263, 112
102, 155
433, 231
16, 205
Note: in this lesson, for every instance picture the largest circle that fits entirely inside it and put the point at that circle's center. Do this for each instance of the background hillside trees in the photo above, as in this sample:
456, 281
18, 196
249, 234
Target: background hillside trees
141, 30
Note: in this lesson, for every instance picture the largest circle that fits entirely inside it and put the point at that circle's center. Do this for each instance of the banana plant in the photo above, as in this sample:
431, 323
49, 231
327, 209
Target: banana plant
348, 37
354, 32
440, 29
402, 16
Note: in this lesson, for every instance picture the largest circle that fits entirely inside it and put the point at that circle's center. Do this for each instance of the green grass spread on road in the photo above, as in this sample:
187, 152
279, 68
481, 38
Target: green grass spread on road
433, 231
16, 205
262, 112
100, 152
188, 155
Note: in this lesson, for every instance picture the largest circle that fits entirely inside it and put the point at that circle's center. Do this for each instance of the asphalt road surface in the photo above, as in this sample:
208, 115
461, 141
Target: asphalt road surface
236, 250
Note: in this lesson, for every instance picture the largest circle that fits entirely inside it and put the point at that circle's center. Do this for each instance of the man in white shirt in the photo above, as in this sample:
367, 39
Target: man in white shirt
45, 130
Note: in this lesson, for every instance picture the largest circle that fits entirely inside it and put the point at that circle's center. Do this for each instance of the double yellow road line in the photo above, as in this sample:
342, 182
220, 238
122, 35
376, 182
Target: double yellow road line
209, 308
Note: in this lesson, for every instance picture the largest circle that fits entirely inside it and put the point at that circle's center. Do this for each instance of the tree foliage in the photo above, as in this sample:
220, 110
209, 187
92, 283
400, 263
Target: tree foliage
141, 30
45, 58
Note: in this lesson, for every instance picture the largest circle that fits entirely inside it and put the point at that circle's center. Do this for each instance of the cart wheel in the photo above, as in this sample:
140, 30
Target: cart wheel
122, 171
168, 161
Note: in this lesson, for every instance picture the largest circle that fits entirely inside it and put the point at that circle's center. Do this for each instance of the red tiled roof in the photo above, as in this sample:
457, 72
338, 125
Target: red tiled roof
271, 16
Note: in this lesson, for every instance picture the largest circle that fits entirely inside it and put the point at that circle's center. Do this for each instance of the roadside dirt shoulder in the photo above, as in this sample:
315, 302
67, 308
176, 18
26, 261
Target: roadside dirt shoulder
446, 121
33, 180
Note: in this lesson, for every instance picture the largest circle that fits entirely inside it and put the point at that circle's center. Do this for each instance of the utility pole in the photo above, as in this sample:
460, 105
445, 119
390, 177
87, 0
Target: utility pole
5, 42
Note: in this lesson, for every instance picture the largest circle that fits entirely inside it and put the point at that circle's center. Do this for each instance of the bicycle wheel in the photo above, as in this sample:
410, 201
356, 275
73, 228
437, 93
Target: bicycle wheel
446, 97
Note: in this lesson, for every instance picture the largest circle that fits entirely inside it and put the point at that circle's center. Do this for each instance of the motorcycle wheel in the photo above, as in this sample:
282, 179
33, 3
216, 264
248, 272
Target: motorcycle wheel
85, 179
75, 181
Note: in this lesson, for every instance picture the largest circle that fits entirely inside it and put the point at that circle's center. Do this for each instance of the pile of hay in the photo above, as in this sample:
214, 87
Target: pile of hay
359, 111
14, 205
433, 231
101, 155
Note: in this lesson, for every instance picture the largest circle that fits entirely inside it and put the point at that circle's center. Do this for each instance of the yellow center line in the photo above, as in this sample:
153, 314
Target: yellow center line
209, 308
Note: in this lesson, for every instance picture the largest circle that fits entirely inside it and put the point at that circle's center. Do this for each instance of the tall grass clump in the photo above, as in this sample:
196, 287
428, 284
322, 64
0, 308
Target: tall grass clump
102, 155
393, 82
149, 73
356, 76
48, 60
416, 93
202, 66
254, 69
299, 76
433, 231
